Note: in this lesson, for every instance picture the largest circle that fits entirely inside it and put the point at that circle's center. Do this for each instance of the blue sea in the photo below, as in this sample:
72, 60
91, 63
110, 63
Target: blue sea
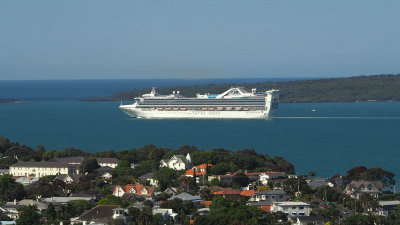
329, 140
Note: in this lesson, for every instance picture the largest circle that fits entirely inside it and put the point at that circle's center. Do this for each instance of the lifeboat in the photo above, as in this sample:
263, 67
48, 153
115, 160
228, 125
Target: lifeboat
220, 108
183, 108
246, 108
168, 108
204, 108
238, 108
159, 108
153, 108
176, 108
229, 108
211, 108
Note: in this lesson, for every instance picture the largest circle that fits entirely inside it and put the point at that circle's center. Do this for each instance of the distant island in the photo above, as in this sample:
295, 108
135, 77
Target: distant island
348, 89
8, 101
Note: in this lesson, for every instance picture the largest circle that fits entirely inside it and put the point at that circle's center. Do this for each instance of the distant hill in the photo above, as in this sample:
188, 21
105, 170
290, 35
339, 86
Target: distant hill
349, 89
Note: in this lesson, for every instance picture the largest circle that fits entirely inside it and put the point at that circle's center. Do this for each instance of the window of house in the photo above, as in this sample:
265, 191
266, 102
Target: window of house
301, 207
293, 207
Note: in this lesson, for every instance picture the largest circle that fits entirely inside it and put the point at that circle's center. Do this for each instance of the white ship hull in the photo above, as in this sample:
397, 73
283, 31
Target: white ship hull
139, 113
232, 104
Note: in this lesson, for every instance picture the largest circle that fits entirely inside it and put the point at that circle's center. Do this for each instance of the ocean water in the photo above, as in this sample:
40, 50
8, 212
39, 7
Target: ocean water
330, 140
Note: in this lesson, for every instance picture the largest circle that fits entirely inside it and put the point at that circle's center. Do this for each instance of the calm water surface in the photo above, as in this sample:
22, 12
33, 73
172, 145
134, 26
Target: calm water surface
334, 138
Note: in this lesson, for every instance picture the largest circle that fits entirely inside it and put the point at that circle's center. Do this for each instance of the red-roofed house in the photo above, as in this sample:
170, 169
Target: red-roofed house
200, 170
228, 194
247, 193
145, 191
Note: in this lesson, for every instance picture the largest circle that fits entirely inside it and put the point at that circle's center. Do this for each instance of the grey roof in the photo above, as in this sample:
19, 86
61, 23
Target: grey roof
317, 182
186, 197
25, 202
376, 185
386, 203
107, 160
101, 213
40, 164
4, 171
260, 203
271, 192
65, 199
147, 176
79, 160
74, 177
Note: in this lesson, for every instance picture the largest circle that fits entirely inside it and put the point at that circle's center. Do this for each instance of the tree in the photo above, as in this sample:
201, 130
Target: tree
263, 188
166, 177
145, 217
9, 189
29, 216
51, 214
110, 200
89, 165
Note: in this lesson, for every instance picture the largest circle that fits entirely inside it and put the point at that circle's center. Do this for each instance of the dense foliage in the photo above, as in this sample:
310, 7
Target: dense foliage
349, 89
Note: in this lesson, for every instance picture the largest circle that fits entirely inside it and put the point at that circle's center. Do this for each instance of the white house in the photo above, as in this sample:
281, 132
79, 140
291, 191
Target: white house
265, 177
38, 169
178, 162
387, 207
291, 209
269, 196
165, 214
357, 188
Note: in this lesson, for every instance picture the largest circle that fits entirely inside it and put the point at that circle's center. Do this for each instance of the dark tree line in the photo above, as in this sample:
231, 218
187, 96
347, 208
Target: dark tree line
349, 89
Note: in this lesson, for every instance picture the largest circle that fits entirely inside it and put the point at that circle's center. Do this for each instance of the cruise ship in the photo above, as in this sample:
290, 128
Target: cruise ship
234, 103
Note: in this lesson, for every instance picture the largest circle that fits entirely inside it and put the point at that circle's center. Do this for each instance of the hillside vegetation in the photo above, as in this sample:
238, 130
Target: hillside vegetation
349, 89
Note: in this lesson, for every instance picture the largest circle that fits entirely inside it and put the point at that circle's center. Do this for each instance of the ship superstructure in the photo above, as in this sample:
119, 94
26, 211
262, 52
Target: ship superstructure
233, 103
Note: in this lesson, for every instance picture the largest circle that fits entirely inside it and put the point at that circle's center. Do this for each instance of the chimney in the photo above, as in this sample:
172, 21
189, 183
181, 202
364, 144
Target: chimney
15, 201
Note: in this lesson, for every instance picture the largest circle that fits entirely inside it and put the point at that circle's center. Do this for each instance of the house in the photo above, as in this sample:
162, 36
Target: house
315, 183
263, 205
200, 170
203, 211
187, 197
178, 162
65, 200
291, 209
315, 220
228, 194
149, 177
226, 180
387, 207
4, 171
247, 193
77, 161
171, 191
27, 180
69, 178
165, 214
39, 169
269, 196
11, 208
267, 176
338, 182
356, 188
145, 191
101, 215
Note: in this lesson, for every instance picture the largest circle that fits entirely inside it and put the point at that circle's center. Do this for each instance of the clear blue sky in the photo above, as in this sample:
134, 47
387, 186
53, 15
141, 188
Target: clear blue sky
94, 39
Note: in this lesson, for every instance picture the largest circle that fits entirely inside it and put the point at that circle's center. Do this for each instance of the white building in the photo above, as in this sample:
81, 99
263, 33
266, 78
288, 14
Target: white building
269, 196
267, 176
178, 162
387, 207
38, 169
291, 209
